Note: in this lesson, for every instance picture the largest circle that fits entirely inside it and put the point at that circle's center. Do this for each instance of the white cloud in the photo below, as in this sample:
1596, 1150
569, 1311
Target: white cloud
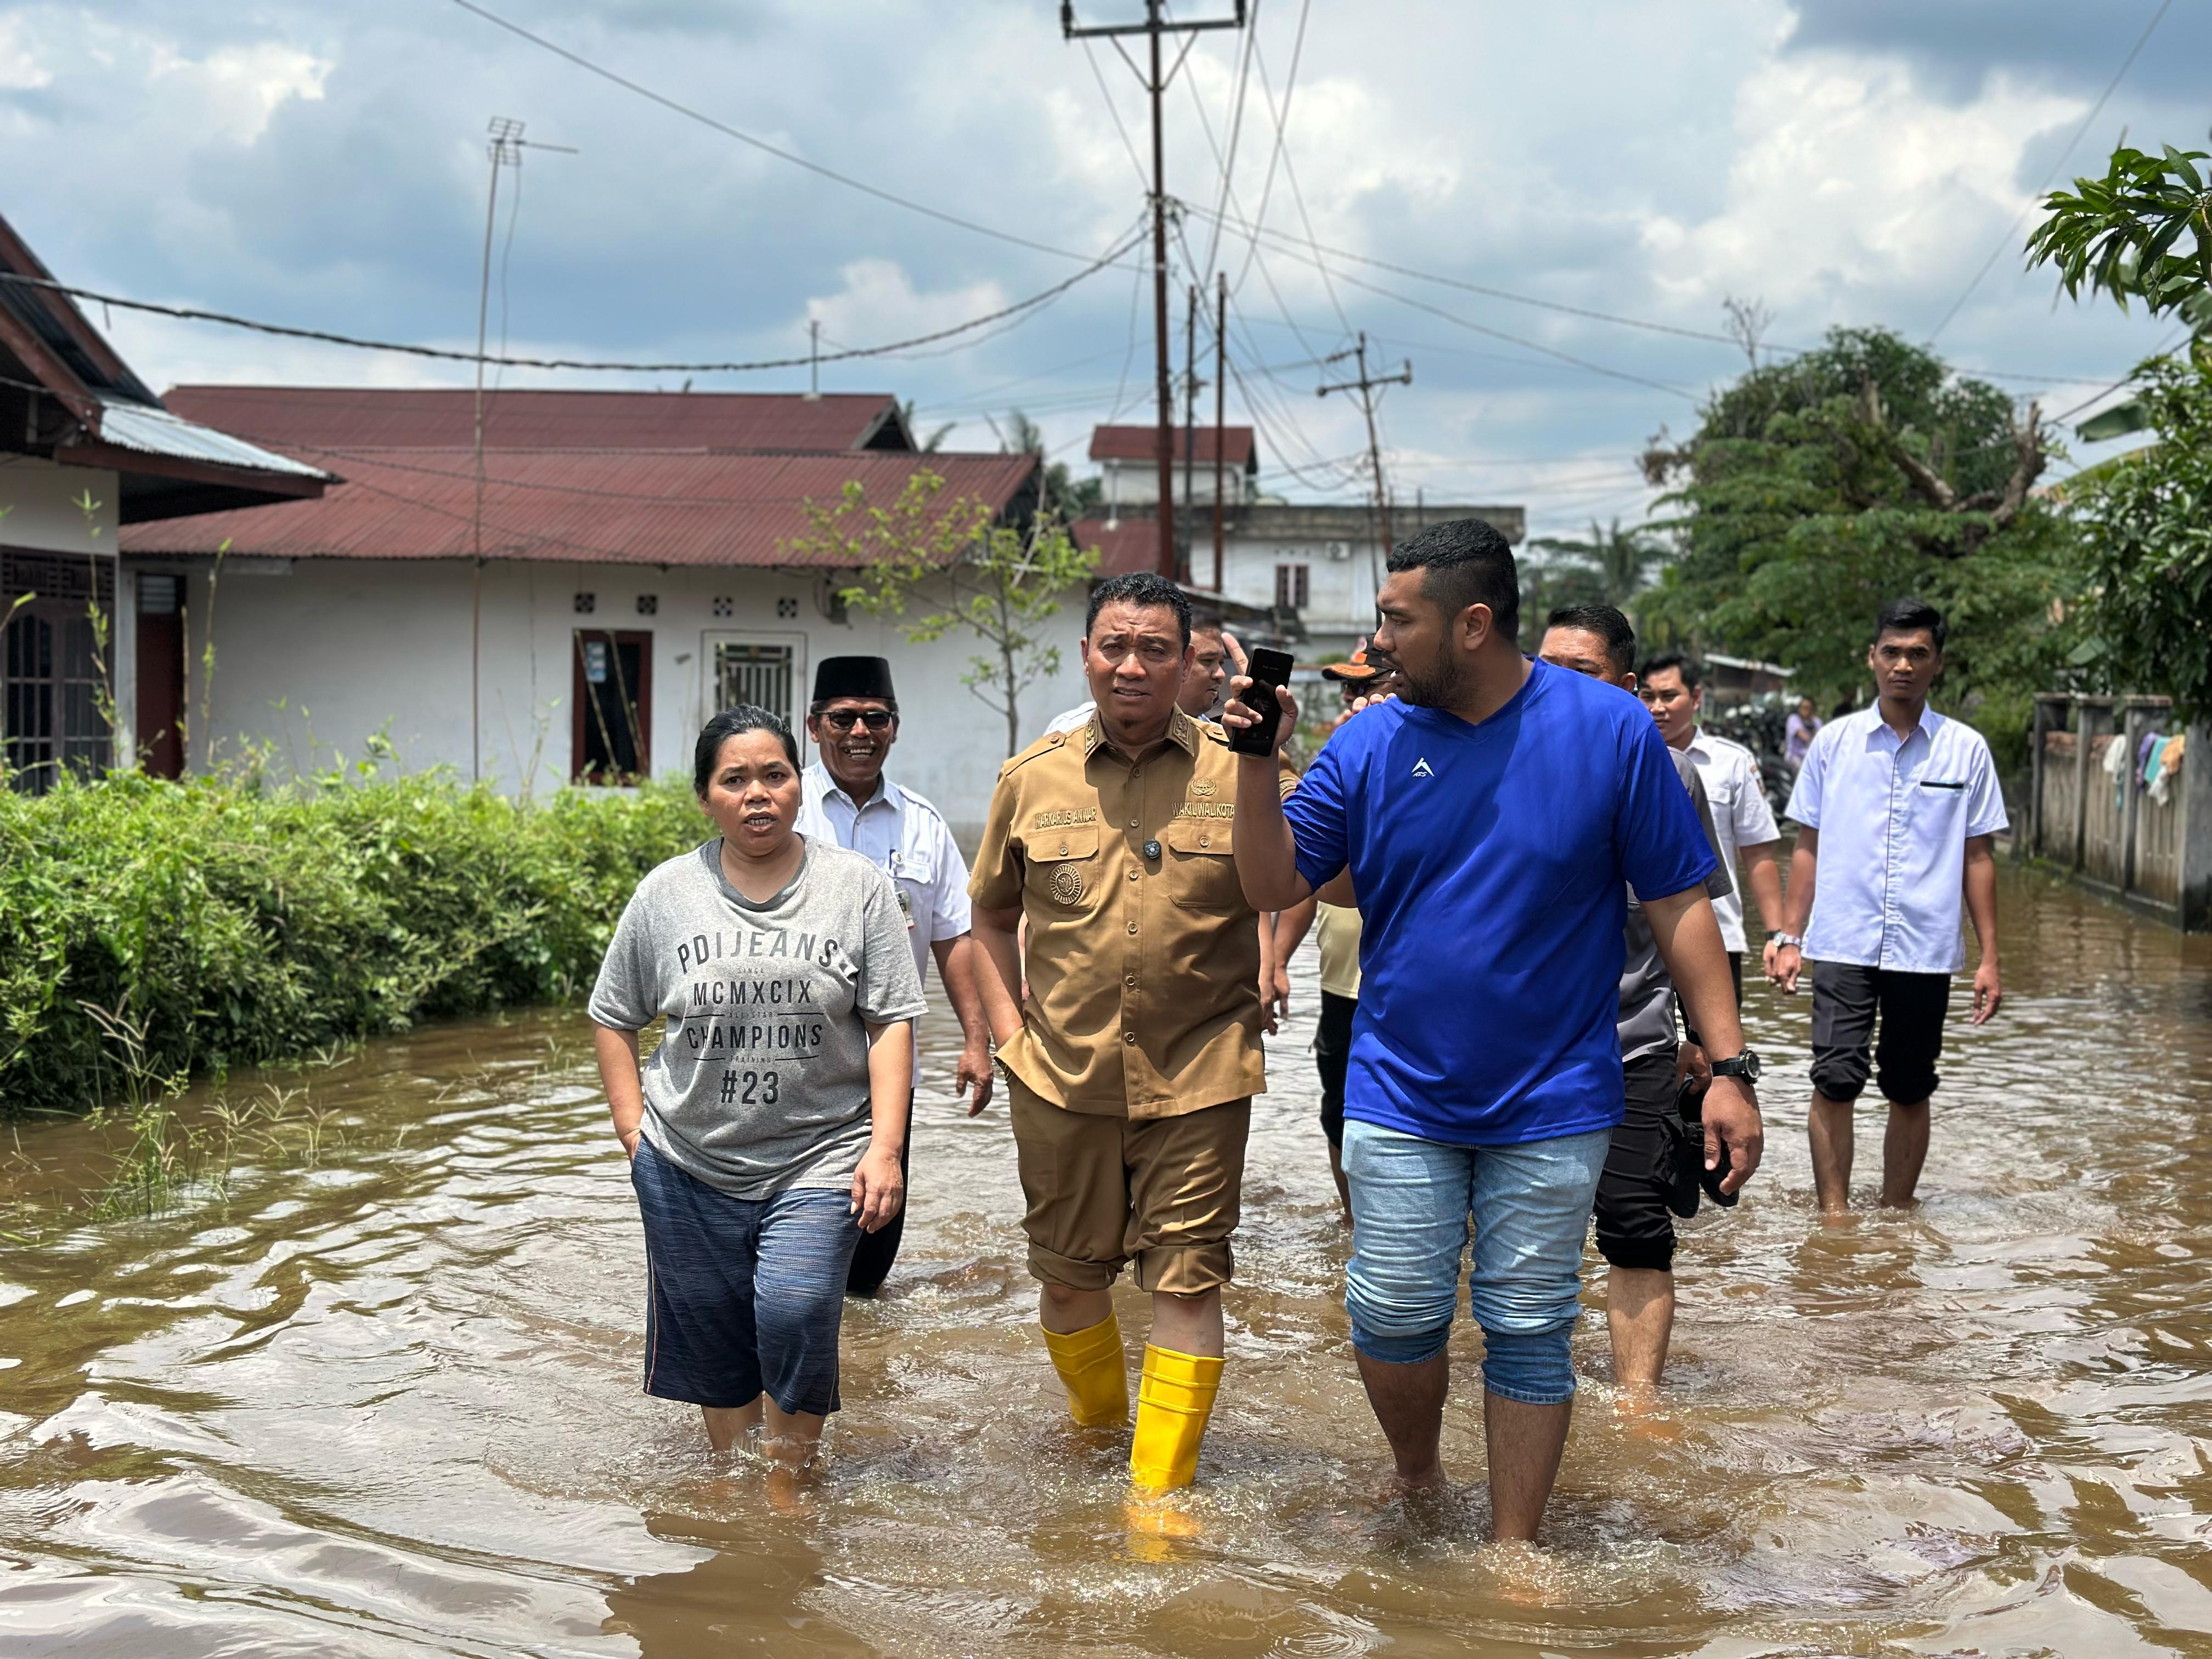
1849, 176
19, 68
879, 303
238, 89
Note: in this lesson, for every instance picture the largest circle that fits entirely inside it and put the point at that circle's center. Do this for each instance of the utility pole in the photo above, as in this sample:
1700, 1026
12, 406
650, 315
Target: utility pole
1190, 384
505, 150
1156, 24
814, 358
1365, 386
1220, 394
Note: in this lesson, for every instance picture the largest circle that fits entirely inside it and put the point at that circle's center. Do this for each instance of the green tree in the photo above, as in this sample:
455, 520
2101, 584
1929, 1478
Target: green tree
996, 582
2123, 235
2147, 519
2143, 233
1609, 567
1062, 492
1815, 490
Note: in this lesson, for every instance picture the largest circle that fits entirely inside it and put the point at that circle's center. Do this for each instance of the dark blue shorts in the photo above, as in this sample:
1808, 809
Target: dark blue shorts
746, 1295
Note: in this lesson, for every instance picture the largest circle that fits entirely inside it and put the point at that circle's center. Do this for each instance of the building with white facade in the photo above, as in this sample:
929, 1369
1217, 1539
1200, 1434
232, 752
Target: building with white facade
1315, 567
86, 452
625, 570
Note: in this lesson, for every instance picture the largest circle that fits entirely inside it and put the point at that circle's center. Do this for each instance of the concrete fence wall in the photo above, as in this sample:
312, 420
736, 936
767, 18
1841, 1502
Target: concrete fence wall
2112, 833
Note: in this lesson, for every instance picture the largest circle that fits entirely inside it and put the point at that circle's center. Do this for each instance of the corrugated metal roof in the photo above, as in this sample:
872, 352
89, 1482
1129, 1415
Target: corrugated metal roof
1124, 546
152, 431
351, 416
1136, 443
622, 505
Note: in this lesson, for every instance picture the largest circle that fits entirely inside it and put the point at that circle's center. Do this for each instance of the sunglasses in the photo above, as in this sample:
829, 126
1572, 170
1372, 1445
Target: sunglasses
843, 720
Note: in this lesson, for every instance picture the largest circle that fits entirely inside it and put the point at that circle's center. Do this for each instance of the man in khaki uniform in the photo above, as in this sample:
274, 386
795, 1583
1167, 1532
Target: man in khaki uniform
1132, 1064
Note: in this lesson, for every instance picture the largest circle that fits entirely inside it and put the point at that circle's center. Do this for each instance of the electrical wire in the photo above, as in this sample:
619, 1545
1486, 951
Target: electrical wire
761, 144
2043, 190
193, 313
1275, 150
1291, 178
1236, 131
1106, 94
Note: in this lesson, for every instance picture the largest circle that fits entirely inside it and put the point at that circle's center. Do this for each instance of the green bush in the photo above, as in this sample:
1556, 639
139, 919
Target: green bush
241, 922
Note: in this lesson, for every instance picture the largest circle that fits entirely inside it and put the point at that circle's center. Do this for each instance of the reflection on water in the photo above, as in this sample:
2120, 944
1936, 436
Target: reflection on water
389, 1404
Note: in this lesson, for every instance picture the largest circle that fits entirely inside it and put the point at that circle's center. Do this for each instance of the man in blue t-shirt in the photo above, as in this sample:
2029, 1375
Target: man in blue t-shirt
1487, 825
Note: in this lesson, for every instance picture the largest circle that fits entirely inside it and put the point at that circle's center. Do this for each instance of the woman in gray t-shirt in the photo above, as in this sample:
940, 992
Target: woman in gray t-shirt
763, 1133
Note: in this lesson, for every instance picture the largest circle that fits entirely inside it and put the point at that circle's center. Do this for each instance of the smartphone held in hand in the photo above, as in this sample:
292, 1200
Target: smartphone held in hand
1270, 671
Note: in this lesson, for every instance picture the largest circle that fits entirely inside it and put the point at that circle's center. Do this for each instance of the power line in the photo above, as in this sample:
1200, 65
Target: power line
1236, 131
194, 313
1299, 196
2096, 109
1290, 245
761, 144
1275, 151
1254, 231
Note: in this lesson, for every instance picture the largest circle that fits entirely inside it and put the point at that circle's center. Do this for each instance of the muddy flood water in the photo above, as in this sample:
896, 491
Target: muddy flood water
387, 1402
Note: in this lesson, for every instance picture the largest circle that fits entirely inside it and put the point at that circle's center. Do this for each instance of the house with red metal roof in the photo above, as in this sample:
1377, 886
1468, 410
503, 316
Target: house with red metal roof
87, 450
569, 605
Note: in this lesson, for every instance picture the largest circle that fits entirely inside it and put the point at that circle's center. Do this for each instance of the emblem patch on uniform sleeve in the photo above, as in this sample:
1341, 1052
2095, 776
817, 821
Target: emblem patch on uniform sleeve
1066, 884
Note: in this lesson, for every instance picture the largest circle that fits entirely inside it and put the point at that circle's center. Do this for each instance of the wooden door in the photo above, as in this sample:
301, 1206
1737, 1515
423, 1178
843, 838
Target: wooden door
160, 703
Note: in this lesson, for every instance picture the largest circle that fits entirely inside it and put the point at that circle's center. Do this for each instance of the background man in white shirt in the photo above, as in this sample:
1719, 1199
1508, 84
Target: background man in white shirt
846, 800
1673, 689
1899, 805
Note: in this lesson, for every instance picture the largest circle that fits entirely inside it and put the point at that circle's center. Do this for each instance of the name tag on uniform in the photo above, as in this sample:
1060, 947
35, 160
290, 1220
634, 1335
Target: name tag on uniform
1942, 783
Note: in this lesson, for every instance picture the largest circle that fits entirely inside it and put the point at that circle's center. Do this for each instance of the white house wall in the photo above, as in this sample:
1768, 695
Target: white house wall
1341, 591
40, 506
315, 658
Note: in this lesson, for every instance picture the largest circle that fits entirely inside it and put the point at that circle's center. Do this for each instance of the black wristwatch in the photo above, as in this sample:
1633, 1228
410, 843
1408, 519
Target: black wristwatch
1746, 1065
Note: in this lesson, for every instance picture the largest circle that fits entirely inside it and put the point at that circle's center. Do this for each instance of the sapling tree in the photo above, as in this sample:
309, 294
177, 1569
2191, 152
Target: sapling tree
942, 567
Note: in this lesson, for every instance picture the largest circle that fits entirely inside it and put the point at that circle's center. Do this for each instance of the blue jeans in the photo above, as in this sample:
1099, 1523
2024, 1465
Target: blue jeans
1412, 1203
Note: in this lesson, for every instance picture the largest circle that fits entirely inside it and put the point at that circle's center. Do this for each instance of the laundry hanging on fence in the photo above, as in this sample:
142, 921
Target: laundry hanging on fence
2164, 761
2115, 763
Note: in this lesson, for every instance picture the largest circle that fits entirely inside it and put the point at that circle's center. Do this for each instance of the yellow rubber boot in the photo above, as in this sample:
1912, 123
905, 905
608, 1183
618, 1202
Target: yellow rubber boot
1173, 1403
1091, 1364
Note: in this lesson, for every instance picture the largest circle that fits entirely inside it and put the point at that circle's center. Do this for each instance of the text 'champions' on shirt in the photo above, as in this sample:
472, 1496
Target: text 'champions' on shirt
761, 1082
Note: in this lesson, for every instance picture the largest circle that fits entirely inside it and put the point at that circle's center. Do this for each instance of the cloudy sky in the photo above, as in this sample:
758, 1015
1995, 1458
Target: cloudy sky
1838, 161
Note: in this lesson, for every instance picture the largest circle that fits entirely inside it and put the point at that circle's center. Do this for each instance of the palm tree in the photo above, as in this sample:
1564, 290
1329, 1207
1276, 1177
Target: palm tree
1612, 567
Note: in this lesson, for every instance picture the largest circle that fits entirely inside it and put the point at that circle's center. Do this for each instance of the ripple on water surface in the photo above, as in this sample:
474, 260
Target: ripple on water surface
389, 1405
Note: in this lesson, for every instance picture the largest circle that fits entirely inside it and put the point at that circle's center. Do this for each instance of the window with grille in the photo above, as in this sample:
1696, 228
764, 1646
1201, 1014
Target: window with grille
52, 680
757, 674
1290, 587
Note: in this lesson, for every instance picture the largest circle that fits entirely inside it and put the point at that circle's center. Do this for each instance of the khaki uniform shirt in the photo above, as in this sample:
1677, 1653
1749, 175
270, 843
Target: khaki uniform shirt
1143, 968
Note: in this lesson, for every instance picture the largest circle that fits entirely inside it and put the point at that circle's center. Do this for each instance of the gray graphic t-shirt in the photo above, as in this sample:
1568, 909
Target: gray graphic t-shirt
762, 1082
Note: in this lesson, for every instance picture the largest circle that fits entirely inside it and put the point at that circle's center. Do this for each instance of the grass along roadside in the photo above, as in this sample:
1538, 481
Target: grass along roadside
152, 932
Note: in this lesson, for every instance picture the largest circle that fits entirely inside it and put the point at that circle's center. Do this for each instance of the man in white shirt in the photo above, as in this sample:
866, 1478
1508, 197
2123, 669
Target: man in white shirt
1201, 696
1673, 690
847, 799
1899, 805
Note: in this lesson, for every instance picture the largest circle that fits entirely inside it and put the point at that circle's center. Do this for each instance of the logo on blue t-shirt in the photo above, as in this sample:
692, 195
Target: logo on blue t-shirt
1421, 768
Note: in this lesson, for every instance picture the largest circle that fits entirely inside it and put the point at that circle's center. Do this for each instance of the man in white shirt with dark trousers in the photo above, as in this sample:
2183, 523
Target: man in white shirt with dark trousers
846, 800
1899, 805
